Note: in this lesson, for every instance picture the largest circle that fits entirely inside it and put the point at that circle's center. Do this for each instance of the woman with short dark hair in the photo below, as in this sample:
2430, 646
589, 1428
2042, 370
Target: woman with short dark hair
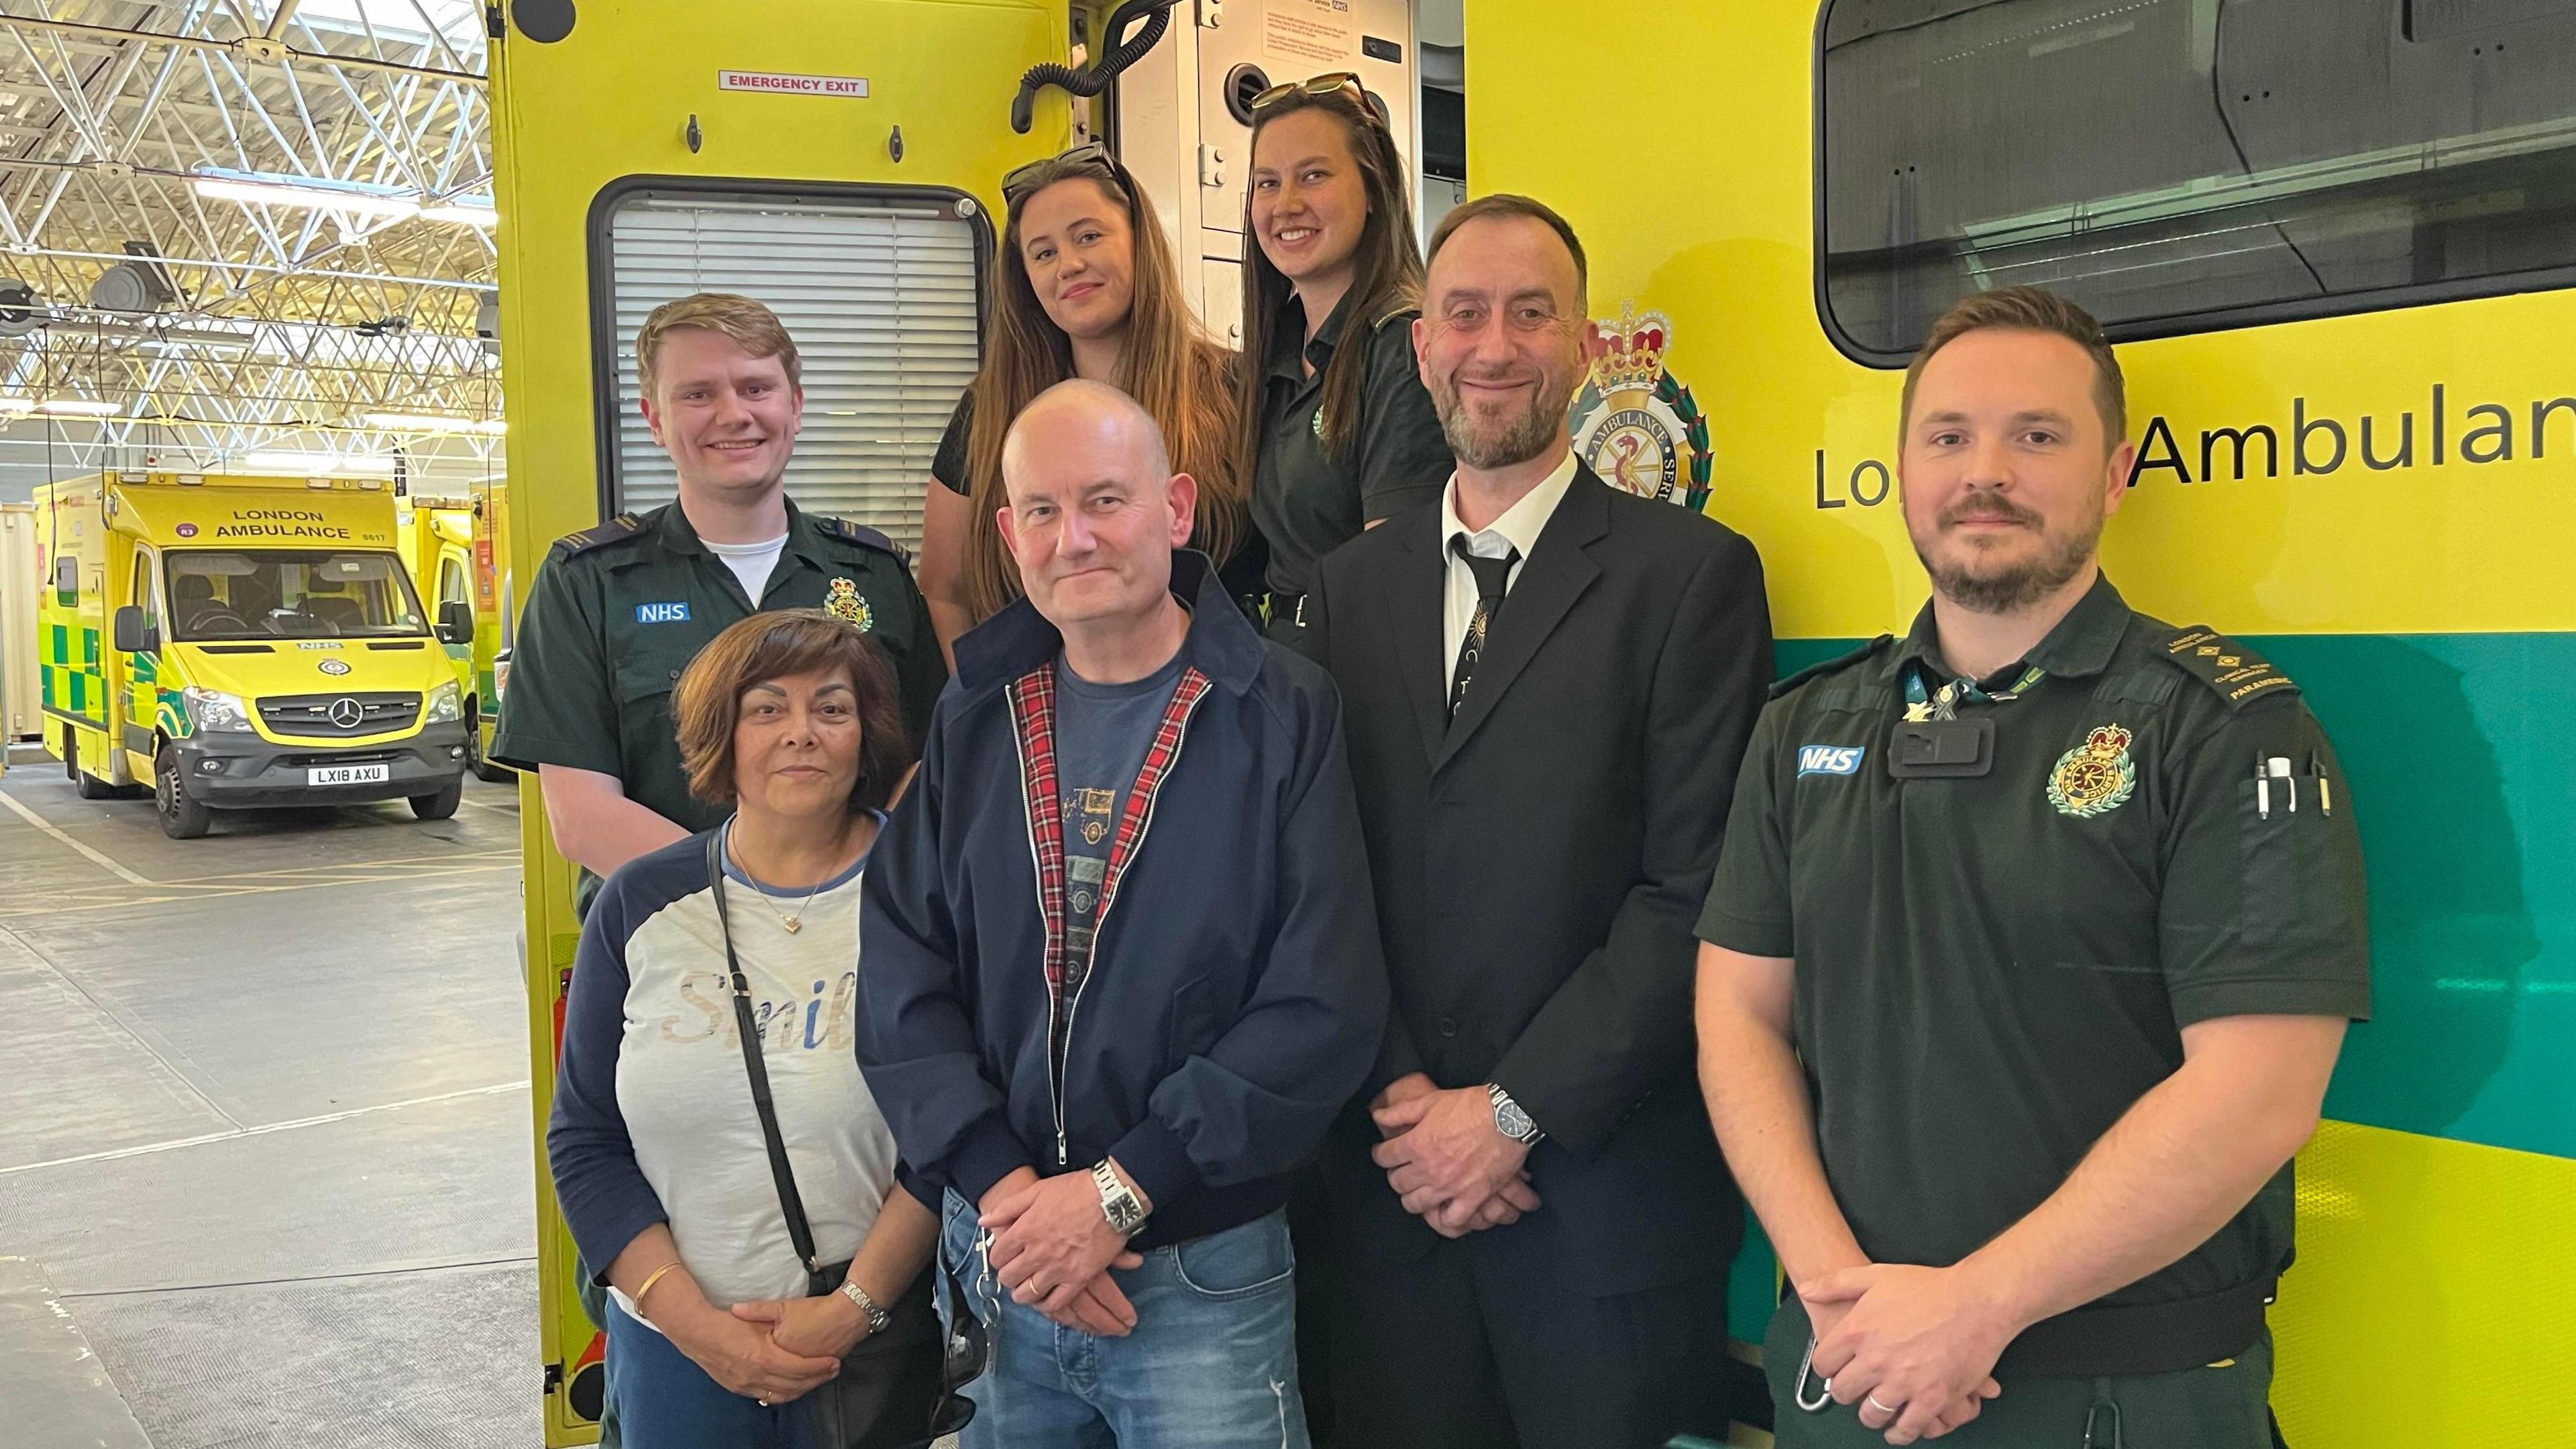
725, 1320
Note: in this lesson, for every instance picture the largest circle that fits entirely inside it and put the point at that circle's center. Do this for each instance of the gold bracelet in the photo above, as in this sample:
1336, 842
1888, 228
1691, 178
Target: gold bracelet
650, 1279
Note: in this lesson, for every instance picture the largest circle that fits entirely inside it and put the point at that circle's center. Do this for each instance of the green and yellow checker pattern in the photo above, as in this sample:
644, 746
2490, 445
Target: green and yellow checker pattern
2425, 611
68, 681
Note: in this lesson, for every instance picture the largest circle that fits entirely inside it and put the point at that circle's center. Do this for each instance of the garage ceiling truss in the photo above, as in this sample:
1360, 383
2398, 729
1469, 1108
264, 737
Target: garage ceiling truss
297, 195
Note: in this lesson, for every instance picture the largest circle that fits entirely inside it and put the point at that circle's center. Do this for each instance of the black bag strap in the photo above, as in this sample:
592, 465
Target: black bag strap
799, 1230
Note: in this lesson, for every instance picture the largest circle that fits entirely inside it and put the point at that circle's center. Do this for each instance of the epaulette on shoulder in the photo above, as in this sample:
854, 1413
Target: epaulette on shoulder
616, 530
2237, 673
1401, 309
862, 535
1835, 665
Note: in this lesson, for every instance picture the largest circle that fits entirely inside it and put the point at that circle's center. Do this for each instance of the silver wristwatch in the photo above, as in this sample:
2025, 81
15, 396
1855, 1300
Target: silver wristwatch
1510, 1120
1118, 1201
877, 1317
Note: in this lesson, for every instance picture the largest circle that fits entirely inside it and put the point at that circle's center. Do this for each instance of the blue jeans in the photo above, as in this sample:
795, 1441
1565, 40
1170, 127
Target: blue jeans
1211, 1364
665, 1401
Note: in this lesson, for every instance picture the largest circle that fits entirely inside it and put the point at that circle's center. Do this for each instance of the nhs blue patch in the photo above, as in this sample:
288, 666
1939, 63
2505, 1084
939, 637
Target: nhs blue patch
1829, 759
674, 612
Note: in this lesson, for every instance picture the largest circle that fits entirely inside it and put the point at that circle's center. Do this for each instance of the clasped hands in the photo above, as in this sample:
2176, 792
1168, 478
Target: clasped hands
1446, 1160
772, 1350
1914, 1347
1053, 1248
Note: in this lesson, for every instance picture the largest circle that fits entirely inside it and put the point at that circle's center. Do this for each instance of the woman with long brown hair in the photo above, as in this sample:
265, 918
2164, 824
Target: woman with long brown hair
1337, 431
1084, 287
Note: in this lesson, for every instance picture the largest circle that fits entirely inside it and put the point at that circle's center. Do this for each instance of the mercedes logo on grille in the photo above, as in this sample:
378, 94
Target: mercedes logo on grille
347, 713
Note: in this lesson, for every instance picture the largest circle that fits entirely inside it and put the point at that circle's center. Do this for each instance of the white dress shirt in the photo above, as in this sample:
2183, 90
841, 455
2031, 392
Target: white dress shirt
1518, 528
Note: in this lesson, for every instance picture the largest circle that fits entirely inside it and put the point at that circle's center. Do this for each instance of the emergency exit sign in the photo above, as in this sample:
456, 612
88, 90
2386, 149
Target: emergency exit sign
781, 83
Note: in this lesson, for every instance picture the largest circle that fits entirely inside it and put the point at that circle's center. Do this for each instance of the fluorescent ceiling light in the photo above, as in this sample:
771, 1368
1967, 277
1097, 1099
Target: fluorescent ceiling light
17, 405
464, 211
304, 464
178, 339
79, 407
314, 198
426, 423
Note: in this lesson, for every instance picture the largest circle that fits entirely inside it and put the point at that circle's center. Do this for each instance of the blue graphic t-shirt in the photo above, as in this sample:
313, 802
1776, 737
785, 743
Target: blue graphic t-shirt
1102, 732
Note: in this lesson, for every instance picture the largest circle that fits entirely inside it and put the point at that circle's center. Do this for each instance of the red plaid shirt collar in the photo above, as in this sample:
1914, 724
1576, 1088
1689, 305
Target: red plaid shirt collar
1032, 698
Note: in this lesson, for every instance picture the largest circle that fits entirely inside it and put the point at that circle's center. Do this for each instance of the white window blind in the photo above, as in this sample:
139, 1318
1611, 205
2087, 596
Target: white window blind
880, 296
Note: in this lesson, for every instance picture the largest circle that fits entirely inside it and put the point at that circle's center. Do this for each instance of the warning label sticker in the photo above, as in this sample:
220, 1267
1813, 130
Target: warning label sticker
1319, 32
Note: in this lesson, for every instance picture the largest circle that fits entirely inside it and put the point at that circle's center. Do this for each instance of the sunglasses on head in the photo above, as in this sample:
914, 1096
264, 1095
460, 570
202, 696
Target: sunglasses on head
1019, 181
1333, 83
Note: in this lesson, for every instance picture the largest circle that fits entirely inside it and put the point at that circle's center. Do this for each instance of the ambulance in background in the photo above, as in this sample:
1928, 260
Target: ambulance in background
242, 642
447, 544
496, 624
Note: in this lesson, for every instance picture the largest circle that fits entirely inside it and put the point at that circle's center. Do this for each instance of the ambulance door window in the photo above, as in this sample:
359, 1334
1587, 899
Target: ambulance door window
879, 286
2180, 166
452, 587
144, 595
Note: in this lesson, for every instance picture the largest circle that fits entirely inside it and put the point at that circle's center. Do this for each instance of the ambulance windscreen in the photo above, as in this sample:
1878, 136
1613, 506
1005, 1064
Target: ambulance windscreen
291, 594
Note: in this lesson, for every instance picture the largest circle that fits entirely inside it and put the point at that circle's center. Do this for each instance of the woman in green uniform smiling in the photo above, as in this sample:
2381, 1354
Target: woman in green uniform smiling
1084, 287
1335, 437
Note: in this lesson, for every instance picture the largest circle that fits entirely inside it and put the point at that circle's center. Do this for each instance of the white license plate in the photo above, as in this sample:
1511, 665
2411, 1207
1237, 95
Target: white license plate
349, 775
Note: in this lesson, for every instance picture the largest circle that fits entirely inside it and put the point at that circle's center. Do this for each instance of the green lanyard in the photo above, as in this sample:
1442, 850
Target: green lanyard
1925, 702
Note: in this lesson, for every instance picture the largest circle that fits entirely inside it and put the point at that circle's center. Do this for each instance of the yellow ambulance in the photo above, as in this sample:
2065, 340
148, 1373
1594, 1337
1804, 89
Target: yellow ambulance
241, 642
437, 537
496, 622
2334, 243
841, 160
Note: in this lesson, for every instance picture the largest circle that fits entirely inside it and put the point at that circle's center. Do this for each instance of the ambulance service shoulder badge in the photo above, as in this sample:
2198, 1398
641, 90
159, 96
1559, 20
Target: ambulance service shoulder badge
842, 601
1637, 424
2094, 777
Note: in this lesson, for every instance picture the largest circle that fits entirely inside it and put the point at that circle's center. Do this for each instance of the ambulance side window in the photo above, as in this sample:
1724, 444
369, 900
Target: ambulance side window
881, 286
2176, 166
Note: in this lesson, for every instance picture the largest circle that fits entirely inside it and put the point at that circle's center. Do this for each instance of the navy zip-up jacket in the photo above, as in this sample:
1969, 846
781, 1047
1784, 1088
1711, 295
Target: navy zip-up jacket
1237, 992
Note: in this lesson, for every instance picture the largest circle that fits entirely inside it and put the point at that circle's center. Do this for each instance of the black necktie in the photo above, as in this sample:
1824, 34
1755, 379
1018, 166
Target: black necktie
1492, 576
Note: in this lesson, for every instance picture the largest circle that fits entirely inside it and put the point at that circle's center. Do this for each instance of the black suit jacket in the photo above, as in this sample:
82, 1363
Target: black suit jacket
1540, 861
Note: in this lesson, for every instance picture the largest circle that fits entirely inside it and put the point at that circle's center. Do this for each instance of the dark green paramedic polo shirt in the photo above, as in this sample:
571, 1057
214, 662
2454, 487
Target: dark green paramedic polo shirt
1306, 503
1991, 970
619, 610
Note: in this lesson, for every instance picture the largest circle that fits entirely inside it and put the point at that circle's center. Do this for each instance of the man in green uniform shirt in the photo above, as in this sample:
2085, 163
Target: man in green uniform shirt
619, 610
2027, 959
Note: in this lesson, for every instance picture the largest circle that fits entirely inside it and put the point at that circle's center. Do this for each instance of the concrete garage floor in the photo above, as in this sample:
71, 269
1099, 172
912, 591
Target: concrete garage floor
265, 1156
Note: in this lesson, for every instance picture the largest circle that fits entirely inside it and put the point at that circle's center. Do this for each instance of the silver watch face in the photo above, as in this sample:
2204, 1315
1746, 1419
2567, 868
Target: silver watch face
1514, 1122
1117, 1204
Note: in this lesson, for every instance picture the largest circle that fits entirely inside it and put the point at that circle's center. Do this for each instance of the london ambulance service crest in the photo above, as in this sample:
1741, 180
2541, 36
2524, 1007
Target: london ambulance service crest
842, 601
1635, 423
2094, 777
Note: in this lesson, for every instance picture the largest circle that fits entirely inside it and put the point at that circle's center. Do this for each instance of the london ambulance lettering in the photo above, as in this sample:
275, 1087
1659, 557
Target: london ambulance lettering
281, 523
2314, 442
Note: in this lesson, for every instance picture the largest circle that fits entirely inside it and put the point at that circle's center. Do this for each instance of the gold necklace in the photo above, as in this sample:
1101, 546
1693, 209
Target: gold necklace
793, 921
